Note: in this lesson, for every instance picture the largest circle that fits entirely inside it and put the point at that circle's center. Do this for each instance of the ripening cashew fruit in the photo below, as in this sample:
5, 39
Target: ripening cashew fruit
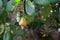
23, 22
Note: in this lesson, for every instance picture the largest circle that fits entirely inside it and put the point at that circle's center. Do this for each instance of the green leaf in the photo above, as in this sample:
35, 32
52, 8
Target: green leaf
1, 29
6, 36
15, 30
1, 3
42, 2
45, 11
15, 2
20, 33
53, 1
9, 6
30, 8
54, 22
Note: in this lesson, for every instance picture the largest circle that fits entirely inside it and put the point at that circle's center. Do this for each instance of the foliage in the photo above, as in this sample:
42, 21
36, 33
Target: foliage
37, 13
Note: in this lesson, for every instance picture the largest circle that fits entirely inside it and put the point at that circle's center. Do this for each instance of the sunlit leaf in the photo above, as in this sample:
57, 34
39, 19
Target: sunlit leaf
15, 2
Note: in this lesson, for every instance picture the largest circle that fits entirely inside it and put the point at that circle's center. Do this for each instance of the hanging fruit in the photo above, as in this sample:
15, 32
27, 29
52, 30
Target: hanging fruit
30, 8
42, 2
23, 22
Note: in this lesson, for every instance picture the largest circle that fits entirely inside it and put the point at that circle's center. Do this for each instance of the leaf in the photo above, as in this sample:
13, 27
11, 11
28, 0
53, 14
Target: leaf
42, 2
54, 22
30, 8
29, 19
6, 36
17, 31
1, 29
45, 11
9, 6
15, 2
20, 33
53, 1
1, 3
